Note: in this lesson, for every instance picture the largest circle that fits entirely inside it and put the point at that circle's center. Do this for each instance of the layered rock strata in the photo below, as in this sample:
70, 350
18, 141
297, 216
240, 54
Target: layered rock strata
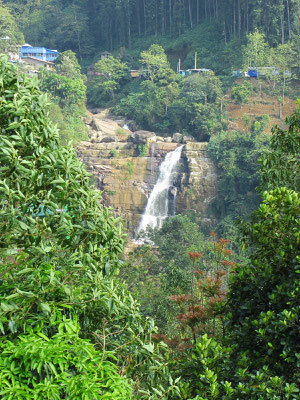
125, 166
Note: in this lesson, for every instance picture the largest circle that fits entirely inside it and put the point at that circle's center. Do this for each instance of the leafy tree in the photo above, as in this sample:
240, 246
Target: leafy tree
236, 155
264, 295
257, 51
155, 61
67, 65
259, 355
197, 111
150, 105
48, 215
59, 250
112, 74
280, 165
66, 85
9, 32
200, 309
35, 366
161, 267
67, 90
241, 93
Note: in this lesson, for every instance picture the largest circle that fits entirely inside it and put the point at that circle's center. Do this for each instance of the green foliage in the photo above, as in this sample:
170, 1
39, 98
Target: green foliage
59, 251
35, 366
259, 355
67, 65
257, 52
114, 74
143, 150
153, 273
162, 269
209, 374
281, 164
242, 92
113, 153
260, 124
102, 24
165, 102
69, 123
264, 294
236, 154
130, 167
247, 120
265, 308
155, 61
67, 90
31, 161
8, 28
197, 111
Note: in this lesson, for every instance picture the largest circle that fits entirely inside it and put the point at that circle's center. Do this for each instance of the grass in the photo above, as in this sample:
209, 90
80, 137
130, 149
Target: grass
121, 131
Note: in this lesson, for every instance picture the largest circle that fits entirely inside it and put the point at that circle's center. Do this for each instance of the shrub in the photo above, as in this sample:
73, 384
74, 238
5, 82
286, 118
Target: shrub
241, 93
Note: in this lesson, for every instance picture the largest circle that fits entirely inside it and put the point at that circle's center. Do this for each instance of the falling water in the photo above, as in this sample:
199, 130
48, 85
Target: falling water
158, 207
125, 126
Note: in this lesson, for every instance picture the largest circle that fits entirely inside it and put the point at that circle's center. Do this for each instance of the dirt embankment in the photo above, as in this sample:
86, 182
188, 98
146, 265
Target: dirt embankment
259, 105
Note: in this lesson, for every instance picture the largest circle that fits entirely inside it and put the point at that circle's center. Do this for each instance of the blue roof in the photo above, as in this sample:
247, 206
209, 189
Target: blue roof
38, 52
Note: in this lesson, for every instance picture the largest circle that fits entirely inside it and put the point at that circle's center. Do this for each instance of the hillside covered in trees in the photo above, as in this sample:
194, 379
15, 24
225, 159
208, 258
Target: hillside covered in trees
89, 26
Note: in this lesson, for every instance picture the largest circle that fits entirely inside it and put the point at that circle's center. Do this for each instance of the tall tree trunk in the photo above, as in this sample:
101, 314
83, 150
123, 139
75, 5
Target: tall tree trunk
288, 18
239, 17
138, 17
145, 17
247, 23
170, 16
234, 18
156, 17
282, 28
190, 14
129, 28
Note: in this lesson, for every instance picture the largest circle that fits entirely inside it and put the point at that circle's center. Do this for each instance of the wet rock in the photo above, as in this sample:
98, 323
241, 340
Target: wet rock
109, 139
132, 125
87, 120
187, 139
141, 137
95, 110
120, 122
96, 125
177, 137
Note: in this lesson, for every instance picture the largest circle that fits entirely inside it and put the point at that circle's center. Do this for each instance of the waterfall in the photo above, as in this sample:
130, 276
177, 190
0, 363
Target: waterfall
158, 206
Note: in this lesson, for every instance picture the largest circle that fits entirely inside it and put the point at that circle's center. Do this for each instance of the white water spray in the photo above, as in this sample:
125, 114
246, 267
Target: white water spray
158, 206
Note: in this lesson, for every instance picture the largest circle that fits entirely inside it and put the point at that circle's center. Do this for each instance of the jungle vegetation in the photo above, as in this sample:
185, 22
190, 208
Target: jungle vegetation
198, 312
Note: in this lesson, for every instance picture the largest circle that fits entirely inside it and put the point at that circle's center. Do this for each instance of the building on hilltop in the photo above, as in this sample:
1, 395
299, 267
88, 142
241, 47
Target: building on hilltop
38, 63
38, 56
40, 53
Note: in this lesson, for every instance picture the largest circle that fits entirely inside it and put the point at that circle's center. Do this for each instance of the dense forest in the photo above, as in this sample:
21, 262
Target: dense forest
87, 26
203, 308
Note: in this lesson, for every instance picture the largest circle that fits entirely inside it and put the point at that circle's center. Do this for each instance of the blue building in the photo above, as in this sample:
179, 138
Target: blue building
40, 53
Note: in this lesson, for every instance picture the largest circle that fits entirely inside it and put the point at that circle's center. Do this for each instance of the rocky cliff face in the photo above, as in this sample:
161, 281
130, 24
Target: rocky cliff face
125, 167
